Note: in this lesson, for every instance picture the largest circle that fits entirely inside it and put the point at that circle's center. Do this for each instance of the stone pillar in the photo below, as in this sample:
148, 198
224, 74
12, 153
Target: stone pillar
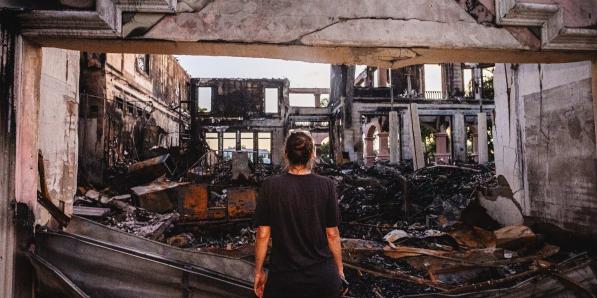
404, 136
384, 153
478, 83
457, 80
482, 135
369, 155
382, 77
442, 155
416, 141
475, 143
394, 136
59, 112
317, 100
459, 137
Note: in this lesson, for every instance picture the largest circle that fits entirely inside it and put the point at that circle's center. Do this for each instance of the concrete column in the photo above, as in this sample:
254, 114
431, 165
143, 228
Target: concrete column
394, 136
384, 152
317, 100
475, 142
457, 79
382, 77
404, 136
369, 155
59, 112
416, 141
594, 93
459, 137
18, 161
442, 155
478, 83
482, 135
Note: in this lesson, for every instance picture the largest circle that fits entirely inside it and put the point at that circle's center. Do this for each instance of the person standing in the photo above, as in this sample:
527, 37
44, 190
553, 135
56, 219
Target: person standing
299, 211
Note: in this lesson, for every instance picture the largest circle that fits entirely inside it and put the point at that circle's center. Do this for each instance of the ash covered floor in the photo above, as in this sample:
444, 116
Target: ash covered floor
440, 230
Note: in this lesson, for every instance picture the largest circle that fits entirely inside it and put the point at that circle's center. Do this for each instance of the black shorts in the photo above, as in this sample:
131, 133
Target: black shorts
319, 280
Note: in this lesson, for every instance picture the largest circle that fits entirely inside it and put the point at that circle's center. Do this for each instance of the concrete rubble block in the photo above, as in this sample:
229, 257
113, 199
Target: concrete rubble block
165, 196
514, 237
155, 231
148, 170
494, 207
92, 194
90, 211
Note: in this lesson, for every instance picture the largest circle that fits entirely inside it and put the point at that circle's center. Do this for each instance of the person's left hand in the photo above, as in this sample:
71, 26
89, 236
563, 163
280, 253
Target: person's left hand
259, 285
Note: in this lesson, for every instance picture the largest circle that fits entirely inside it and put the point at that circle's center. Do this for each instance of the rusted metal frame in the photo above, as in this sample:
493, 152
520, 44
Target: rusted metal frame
395, 274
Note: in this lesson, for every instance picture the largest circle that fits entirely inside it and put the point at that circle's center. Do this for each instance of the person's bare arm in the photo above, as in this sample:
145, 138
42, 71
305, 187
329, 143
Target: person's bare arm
261, 242
335, 245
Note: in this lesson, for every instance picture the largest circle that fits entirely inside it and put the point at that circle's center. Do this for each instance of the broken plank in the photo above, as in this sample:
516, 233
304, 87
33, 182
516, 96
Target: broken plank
90, 211
395, 274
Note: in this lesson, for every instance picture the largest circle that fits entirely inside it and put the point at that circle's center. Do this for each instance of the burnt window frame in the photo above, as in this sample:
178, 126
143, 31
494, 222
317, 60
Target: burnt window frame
130, 109
265, 88
209, 136
119, 102
271, 144
211, 99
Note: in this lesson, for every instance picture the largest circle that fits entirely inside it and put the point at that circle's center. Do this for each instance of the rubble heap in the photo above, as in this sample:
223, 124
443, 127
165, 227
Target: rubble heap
441, 229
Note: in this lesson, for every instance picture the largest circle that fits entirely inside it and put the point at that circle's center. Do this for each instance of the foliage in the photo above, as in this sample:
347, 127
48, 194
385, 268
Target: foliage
324, 102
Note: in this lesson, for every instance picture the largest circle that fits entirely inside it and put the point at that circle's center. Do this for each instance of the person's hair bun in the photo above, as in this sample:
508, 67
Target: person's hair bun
299, 148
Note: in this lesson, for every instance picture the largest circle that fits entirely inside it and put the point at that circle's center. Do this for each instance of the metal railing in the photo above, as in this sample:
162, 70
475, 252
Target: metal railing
434, 95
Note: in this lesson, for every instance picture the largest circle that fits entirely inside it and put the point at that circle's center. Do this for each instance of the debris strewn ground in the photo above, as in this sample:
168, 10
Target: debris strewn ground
439, 229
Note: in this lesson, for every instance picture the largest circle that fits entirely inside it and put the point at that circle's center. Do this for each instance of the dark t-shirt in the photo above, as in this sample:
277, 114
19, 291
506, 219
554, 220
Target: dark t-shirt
298, 208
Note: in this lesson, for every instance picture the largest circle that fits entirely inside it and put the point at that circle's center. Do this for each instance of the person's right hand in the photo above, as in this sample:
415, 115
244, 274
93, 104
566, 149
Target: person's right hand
344, 284
259, 284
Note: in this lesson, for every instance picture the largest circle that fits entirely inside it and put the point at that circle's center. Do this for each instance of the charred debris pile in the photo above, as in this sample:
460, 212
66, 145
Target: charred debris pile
439, 230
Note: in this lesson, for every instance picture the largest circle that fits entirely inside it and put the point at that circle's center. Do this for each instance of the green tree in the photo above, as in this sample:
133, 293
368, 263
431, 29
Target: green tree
324, 102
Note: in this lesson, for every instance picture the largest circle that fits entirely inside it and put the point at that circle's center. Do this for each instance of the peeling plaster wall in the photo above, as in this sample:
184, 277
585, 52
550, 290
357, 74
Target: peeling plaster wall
351, 22
547, 149
58, 123
128, 109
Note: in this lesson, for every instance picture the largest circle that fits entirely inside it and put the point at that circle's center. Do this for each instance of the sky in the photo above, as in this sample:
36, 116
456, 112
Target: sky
300, 74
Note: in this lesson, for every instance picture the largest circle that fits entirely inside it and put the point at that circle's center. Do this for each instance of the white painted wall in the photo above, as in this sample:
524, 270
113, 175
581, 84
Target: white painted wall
58, 121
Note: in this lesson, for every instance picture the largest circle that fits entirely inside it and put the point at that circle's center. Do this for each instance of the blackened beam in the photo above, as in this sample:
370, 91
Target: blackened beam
309, 90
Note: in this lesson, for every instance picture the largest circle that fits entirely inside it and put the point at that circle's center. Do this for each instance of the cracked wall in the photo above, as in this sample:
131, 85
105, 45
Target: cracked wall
547, 149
